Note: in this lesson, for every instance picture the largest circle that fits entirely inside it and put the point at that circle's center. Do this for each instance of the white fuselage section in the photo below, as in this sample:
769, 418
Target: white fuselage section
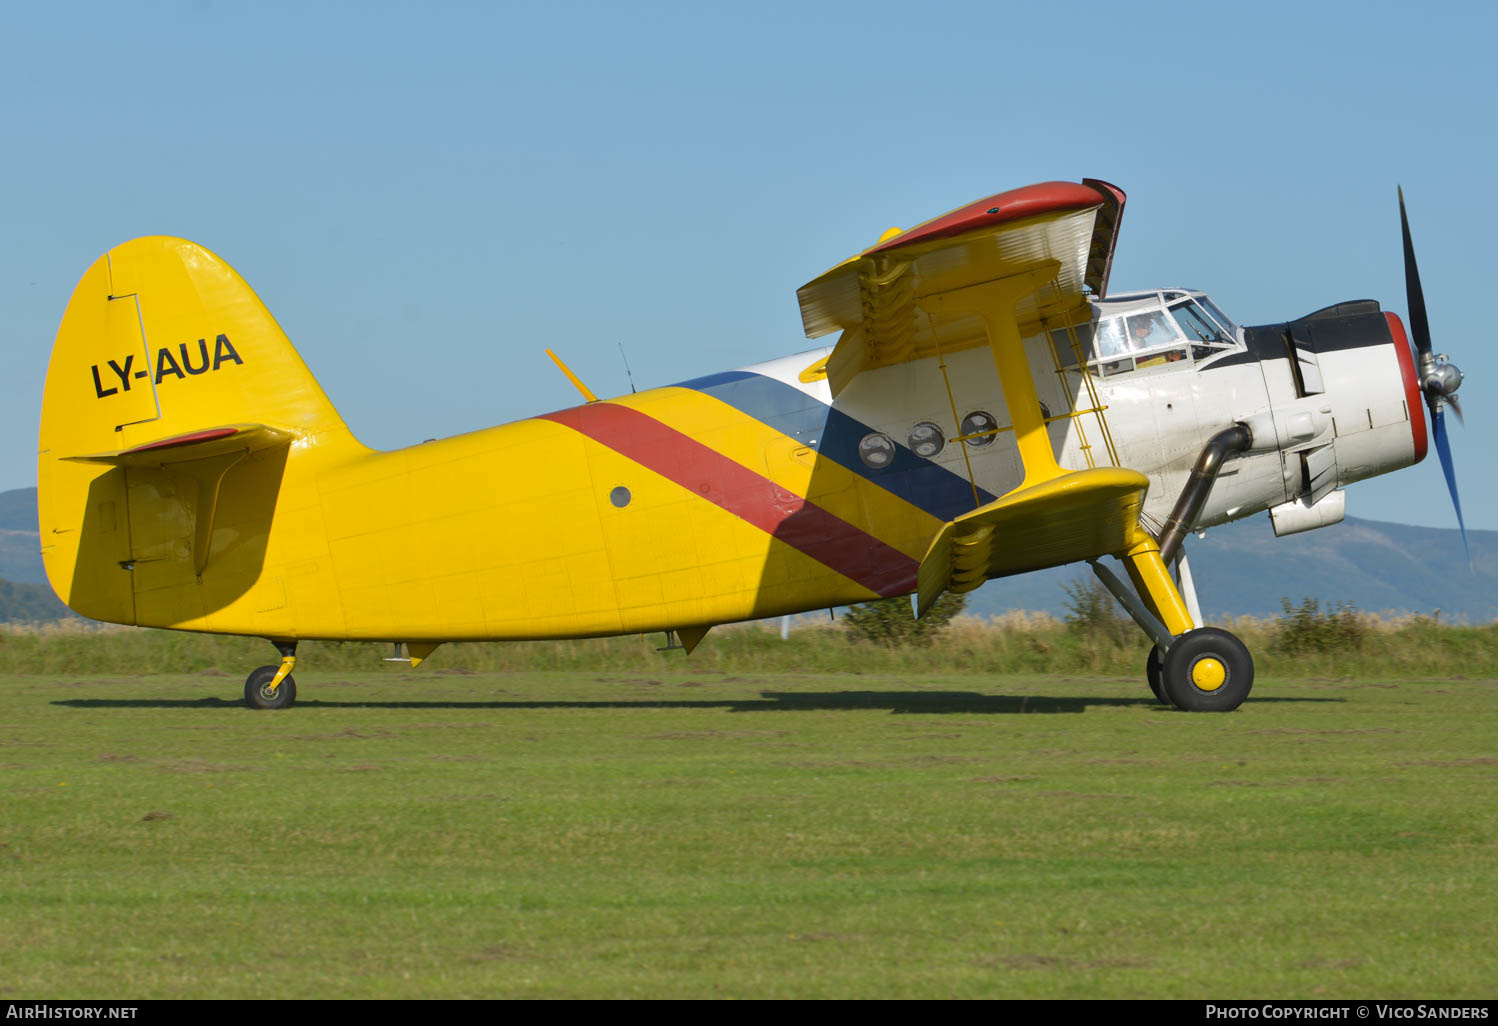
1333, 417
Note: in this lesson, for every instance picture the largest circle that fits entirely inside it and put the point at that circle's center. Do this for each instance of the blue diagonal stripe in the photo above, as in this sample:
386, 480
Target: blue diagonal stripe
792, 412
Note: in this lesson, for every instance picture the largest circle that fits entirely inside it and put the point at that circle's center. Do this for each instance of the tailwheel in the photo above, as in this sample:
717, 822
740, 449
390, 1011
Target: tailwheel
1207, 670
1154, 672
259, 694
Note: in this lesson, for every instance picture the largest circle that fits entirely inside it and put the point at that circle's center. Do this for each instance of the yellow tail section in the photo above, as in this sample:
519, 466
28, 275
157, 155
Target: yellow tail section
174, 418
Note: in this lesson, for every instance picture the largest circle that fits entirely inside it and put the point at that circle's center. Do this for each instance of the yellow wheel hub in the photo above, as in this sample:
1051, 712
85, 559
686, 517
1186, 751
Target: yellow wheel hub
1208, 674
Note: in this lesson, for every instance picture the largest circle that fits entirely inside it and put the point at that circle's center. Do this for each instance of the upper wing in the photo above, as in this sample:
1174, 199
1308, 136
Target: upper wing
880, 298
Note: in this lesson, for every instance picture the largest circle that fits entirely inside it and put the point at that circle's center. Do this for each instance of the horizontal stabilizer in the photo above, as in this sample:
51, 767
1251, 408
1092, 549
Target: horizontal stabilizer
1079, 515
198, 460
195, 445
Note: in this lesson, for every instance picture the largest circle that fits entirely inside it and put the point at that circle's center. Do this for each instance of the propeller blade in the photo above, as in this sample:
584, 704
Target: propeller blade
1413, 293
1443, 447
1456, 408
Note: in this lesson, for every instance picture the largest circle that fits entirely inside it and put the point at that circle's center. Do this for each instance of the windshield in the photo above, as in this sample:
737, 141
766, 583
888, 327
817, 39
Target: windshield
1131, 333
1222, 318
1196, 325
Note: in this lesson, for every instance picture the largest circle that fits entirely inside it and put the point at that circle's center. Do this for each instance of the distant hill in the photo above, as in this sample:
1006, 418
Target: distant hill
25, 595
18, 510
1239, 568
20, 545
1242, 568
31, 603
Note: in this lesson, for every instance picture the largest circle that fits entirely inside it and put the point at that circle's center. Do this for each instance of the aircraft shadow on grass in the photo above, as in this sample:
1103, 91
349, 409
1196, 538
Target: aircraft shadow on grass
896, 702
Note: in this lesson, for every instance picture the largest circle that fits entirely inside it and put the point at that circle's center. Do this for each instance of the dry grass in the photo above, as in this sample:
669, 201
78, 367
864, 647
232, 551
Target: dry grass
1398, 646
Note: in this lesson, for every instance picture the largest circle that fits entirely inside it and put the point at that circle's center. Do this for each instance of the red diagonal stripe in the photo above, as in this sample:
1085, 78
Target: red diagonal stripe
829, 540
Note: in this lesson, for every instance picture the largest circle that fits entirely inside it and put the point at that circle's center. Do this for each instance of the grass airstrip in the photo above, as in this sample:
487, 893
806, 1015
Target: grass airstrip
810, 818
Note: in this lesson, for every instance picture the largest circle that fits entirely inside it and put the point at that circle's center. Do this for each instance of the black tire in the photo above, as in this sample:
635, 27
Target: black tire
1208, 670
257, 697
1154, 673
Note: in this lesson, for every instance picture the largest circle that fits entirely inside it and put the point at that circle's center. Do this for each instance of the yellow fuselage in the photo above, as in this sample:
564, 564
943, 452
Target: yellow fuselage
666, 509
193, 475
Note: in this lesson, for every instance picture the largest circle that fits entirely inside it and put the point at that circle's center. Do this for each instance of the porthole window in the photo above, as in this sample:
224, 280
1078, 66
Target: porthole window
926, 440
877, 450
977, 423
619, 496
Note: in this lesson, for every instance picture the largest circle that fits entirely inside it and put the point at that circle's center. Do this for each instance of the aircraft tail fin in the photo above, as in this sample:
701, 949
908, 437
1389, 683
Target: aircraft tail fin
172, 405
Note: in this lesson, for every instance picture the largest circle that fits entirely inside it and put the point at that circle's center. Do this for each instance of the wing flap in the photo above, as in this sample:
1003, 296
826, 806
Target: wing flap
1075, 516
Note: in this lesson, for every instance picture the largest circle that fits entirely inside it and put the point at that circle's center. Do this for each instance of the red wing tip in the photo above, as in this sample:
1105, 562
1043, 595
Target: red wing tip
1001, 207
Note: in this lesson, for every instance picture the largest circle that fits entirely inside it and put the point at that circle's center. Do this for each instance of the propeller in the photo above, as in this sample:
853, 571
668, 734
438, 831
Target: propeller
1439, 378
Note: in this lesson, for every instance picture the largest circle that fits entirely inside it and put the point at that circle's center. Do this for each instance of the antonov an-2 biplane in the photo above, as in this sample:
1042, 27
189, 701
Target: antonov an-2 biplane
988, 409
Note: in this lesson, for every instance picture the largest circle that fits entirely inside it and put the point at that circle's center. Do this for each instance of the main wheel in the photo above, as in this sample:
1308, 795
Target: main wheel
1153, 672
1207, 670
257, 692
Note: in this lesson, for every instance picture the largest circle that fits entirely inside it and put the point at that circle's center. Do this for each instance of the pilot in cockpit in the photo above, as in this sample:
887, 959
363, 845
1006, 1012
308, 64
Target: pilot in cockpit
1148, 330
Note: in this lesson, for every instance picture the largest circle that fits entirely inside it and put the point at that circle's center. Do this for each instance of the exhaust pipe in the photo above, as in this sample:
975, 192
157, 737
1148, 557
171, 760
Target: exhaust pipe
1221, 447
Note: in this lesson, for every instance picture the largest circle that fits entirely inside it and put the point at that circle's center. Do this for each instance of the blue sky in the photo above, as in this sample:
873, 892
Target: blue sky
427, 195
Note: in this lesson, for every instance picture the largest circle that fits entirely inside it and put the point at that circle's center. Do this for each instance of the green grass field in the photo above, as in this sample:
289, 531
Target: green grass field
671, 829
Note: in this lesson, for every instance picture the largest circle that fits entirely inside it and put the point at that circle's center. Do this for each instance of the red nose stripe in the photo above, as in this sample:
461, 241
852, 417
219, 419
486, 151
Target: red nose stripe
831, 541
1412, 395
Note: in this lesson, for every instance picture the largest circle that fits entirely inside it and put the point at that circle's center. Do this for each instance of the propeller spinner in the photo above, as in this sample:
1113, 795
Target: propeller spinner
1439, 378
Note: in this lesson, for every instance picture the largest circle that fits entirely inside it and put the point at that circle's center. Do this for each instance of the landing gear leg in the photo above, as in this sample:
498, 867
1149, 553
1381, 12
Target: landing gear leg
272, 687
1198, 669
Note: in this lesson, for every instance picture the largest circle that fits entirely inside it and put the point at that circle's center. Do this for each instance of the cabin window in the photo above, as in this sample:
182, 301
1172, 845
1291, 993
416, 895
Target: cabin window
877, 450
979, 423
1062, 339
926, 440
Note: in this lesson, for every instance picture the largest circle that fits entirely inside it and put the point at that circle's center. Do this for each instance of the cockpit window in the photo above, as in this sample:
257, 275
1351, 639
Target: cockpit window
1190, 329
1222, 318
1069, 343
1110, 338
1196, 325
1150, 329
1175, 355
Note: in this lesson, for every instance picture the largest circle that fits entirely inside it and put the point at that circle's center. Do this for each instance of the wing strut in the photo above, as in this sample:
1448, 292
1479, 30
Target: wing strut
994, 302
